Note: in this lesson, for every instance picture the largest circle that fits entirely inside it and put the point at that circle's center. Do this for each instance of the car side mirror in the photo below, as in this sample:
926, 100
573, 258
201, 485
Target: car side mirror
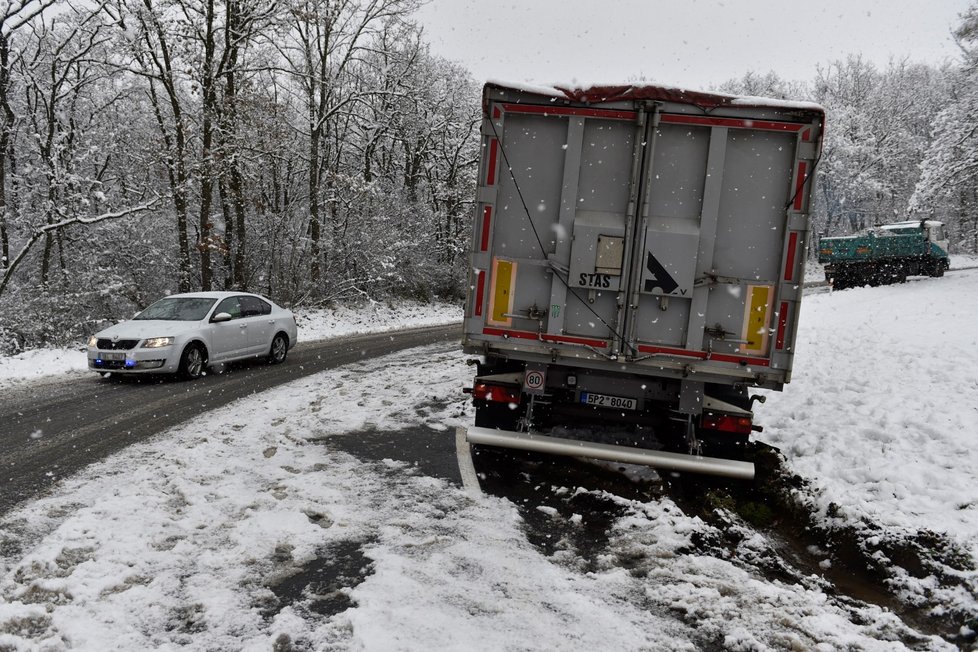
221, 316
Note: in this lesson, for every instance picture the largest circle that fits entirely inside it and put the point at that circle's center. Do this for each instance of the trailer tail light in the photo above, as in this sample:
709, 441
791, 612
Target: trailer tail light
496, 393
727, 423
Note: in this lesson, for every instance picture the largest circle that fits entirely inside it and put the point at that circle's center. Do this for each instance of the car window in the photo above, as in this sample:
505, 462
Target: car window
251, 306
177, 309
231, 305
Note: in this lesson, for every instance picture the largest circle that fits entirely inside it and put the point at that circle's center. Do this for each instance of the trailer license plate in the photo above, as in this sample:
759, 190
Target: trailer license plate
603, 400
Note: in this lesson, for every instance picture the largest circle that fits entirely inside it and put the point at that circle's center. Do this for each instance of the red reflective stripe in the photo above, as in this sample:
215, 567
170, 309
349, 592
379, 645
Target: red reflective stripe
496, 113
807, 135
782, 324
486, 217
479, 287
702, 355
800, 184
566, 110
544, 337
789, 265
491, 172
737, 123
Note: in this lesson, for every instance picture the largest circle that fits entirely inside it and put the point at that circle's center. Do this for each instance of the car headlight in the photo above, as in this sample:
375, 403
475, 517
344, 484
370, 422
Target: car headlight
157, 342
92, 341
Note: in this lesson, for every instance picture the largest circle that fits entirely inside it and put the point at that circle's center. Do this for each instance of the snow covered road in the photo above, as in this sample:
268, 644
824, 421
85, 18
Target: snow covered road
191, 540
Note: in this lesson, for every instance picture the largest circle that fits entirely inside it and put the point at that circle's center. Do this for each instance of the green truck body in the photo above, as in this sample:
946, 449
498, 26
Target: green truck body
885, 254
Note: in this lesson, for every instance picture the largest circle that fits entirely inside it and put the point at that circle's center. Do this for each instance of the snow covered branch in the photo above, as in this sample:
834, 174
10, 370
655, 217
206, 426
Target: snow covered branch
42, 231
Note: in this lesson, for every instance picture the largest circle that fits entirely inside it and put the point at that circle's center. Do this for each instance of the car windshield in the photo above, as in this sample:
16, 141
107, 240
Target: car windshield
178, 309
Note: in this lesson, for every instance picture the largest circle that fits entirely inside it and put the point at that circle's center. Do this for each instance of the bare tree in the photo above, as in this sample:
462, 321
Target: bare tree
325, 41
54, 227
15, 16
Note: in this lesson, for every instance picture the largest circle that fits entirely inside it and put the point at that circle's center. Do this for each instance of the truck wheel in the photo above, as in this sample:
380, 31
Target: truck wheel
938, 269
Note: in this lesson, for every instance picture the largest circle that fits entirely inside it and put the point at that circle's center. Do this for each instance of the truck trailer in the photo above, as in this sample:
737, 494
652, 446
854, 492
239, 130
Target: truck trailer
885, 254
636, 269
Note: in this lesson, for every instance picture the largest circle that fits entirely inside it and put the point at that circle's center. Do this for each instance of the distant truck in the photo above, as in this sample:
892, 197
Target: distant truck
637, 260
885, 254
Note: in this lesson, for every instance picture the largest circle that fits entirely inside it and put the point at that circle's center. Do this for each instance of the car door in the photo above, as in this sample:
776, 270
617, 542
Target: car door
229, 339
256, 313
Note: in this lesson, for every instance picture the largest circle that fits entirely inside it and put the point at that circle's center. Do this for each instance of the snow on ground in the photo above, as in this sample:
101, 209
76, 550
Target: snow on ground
882, 410
178, 542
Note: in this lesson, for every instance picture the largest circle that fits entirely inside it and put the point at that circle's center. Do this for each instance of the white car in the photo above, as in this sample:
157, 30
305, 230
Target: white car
185, 333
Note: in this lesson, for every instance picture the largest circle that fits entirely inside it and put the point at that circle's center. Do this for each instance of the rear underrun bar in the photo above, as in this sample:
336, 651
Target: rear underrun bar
610, 452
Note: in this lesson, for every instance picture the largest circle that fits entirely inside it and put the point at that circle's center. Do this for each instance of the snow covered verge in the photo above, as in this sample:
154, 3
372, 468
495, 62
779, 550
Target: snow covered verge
370, 317
184, 541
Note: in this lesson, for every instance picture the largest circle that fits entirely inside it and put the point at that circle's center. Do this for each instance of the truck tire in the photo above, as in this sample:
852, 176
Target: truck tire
842, 279
938, 268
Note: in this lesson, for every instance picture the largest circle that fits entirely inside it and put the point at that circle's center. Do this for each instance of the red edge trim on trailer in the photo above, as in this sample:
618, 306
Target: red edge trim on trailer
486, 218
736, 123
566, 110
800, 182
480, 287
789, 264
491, 172
782, 325
706, 101
544, 337
703, 355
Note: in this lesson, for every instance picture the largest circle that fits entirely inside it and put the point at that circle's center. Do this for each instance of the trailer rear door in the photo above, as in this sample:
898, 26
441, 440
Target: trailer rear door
643, 231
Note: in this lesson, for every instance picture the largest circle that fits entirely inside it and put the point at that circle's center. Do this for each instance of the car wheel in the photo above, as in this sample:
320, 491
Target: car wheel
192, 362
280, 349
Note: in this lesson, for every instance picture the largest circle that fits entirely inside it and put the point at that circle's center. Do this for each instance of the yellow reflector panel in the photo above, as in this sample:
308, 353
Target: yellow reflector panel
757, 319
501, 291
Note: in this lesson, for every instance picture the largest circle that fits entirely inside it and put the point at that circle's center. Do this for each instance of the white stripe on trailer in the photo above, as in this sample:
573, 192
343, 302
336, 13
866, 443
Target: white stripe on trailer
470, 481
575, 448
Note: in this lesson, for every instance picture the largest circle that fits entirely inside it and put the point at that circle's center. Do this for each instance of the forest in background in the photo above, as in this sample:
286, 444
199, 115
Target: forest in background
317, 152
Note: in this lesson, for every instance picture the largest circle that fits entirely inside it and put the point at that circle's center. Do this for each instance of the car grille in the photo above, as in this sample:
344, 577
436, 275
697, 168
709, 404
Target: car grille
109, 345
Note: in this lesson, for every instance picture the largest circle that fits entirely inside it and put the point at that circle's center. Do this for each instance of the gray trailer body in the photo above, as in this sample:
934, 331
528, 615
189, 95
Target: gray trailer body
627, 233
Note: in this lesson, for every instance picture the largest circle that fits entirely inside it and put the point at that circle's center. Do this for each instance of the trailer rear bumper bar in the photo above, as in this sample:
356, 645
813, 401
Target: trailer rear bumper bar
610, 452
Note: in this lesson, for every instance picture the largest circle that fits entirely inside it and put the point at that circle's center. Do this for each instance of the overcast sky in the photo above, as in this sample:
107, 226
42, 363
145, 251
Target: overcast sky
694, 43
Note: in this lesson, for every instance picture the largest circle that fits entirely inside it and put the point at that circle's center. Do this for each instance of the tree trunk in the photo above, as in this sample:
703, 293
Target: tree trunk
205, 227
6, 129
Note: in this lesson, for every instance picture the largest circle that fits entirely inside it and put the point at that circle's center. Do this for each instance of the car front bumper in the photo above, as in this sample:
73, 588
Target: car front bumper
162, 360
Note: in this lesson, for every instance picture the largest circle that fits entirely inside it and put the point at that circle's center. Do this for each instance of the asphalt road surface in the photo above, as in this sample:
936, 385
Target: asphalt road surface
49, 430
